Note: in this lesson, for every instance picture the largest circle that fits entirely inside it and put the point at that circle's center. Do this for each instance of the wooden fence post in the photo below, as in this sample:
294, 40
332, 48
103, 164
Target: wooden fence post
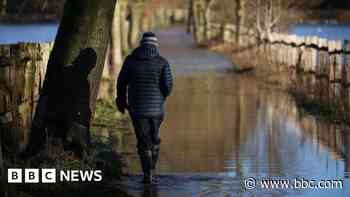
335, 73
346, 76
335, 68
322, 72
22, 70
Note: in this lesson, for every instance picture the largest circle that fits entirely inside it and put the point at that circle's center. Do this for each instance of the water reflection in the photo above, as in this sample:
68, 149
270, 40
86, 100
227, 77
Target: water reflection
150, 191
233, 126
222, 127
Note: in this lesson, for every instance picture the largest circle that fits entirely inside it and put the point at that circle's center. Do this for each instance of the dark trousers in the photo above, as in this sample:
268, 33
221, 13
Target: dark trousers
148, 141
147, 134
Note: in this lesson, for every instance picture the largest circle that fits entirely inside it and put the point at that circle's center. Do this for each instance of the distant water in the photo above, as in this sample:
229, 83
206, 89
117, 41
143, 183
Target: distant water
332, 32
14, 33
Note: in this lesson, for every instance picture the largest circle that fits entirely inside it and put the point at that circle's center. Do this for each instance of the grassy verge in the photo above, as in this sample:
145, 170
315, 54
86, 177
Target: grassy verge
102, 156
107, 115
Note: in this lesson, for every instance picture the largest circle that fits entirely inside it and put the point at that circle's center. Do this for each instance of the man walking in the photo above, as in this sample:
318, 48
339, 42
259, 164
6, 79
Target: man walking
144, 83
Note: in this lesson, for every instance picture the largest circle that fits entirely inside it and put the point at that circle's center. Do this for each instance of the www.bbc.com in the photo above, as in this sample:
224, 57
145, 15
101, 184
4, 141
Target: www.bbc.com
252, 183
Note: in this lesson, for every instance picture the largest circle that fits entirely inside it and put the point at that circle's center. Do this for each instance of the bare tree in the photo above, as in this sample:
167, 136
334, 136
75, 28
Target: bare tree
116, 59
200, 10
85, 24
136, 14
3, 6
190, 17
268, 15
240, 16
271, 15
208, 13
220, 11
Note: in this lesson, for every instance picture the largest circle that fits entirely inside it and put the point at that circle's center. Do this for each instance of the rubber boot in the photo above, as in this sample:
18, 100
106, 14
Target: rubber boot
155, 157
146, 164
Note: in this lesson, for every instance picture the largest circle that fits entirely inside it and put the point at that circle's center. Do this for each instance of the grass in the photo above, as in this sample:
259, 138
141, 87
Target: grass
102, 156
107, 115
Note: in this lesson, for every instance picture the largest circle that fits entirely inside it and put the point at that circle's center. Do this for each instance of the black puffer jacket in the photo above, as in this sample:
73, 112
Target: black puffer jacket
146, 78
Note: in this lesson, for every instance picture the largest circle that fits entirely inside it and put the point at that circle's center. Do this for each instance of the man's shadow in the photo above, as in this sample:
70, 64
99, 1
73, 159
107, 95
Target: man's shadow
77, 136
63, 112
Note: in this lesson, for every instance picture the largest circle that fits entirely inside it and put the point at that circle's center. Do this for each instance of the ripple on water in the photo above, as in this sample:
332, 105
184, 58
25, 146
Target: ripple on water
221, 127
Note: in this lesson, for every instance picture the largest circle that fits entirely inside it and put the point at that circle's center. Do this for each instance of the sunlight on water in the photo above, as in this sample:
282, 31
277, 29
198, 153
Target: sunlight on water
14, 33
333, 32
221, 128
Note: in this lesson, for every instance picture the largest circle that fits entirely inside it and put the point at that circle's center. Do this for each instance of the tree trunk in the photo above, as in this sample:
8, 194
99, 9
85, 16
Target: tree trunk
112, 67
208, 19
105, 83
124, 25
135, 26
240, 19
3, 6
199, 21
116, 42
85, 23
190, 20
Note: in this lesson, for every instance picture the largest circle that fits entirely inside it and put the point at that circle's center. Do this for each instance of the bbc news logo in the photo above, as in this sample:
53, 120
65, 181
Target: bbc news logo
16, 175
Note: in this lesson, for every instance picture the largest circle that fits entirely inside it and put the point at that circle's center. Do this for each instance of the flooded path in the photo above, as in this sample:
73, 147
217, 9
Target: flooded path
222, 128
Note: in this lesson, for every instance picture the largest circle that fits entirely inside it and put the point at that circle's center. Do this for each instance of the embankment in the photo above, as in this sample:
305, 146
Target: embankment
316, 70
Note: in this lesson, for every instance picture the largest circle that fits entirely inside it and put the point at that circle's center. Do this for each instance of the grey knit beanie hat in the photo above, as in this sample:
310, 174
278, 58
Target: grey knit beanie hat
149, 38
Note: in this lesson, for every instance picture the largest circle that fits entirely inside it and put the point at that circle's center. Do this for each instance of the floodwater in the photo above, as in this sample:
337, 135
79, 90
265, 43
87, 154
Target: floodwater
14, 33
222, 128
329, 31
46, 32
